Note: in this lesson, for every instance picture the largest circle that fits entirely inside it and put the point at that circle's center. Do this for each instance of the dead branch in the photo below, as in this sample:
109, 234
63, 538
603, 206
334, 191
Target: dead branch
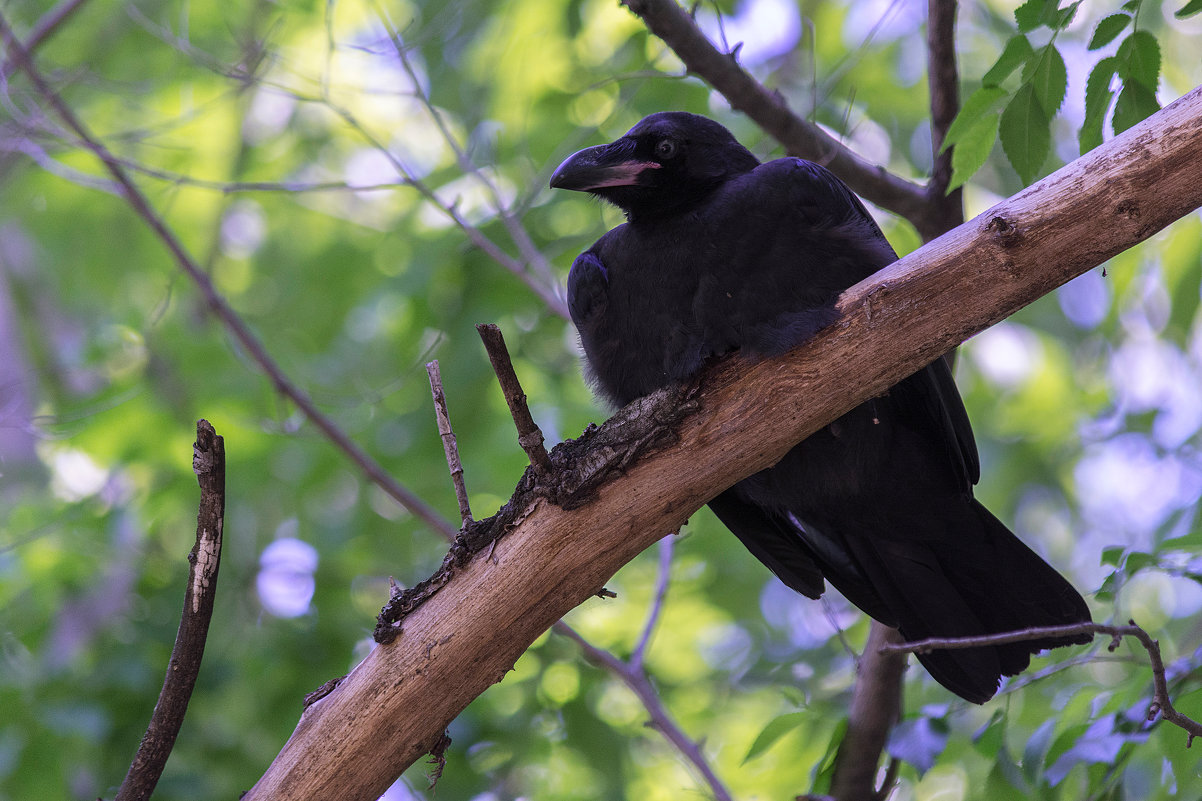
208, 462
530, 437
449, 446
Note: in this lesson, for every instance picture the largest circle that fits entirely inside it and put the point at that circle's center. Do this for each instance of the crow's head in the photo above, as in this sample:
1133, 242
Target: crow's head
665, 164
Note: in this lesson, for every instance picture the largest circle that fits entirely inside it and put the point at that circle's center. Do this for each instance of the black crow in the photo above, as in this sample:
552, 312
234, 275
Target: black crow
722, 253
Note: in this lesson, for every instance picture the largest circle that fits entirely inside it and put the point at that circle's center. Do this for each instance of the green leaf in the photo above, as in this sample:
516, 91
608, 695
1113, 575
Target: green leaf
1186, 542
1049, 78
973, 150
1064, 16
1097, 102
1137, 560
776, 728
1109, 28
824, 771
1026, 133
1031, 14
1135, 104
986, 100
1140, 54
1189, 9
1112, 555
1034, 13
1131, 5
1016, 53
991, 738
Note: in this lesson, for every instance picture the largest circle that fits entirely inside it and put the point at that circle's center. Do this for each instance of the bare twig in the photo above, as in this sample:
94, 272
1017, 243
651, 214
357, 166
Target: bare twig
638, 682
517, 232
530, 437
47, 24
208, 462
213, 299
448, 441
1161, 703
474, 234
667, 20
664, 576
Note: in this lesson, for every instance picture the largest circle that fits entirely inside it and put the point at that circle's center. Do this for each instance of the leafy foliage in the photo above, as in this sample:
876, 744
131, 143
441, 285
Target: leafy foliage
333, 189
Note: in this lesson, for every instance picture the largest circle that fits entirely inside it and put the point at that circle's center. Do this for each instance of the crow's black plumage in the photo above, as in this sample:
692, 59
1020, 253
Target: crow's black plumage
721, 252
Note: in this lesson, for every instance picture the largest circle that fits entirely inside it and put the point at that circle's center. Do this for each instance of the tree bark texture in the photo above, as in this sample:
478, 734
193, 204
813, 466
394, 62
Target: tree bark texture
395, 705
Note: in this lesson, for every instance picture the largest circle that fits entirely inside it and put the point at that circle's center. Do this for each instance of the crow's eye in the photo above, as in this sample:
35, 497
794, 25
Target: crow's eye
666, 149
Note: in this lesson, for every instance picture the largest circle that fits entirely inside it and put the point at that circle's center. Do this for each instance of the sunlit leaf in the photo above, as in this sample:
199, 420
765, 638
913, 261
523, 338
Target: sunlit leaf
1048, 76
1135, 104
777, 727
1140, 54
1025, 133
1113, 555
986, 100
1016, 52
1189, 9
1097, 102
1109, 28
973, 150
1031, 14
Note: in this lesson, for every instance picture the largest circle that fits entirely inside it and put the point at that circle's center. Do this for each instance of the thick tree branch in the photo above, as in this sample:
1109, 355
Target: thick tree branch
208, 462
395, 705
670, 22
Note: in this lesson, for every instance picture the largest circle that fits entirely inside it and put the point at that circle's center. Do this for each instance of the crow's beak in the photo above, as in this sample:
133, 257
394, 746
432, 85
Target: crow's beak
601, 166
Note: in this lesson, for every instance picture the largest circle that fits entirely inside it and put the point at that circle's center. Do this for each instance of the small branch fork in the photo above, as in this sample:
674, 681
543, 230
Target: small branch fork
630, 672
208, 462
1161, 703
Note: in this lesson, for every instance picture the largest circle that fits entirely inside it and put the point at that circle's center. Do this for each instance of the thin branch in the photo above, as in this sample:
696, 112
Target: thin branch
530, 436
47, 24
662, 579
638, 682
213, 299
517, 232
671, 23
1161, 703
944, 210
474, 234
208, 462
449, 446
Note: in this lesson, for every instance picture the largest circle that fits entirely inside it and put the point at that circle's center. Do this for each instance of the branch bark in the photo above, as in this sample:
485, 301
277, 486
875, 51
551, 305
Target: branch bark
208, 462
395, 705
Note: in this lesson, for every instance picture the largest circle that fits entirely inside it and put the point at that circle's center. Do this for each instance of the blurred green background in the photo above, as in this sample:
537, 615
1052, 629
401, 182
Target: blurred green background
329, 164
